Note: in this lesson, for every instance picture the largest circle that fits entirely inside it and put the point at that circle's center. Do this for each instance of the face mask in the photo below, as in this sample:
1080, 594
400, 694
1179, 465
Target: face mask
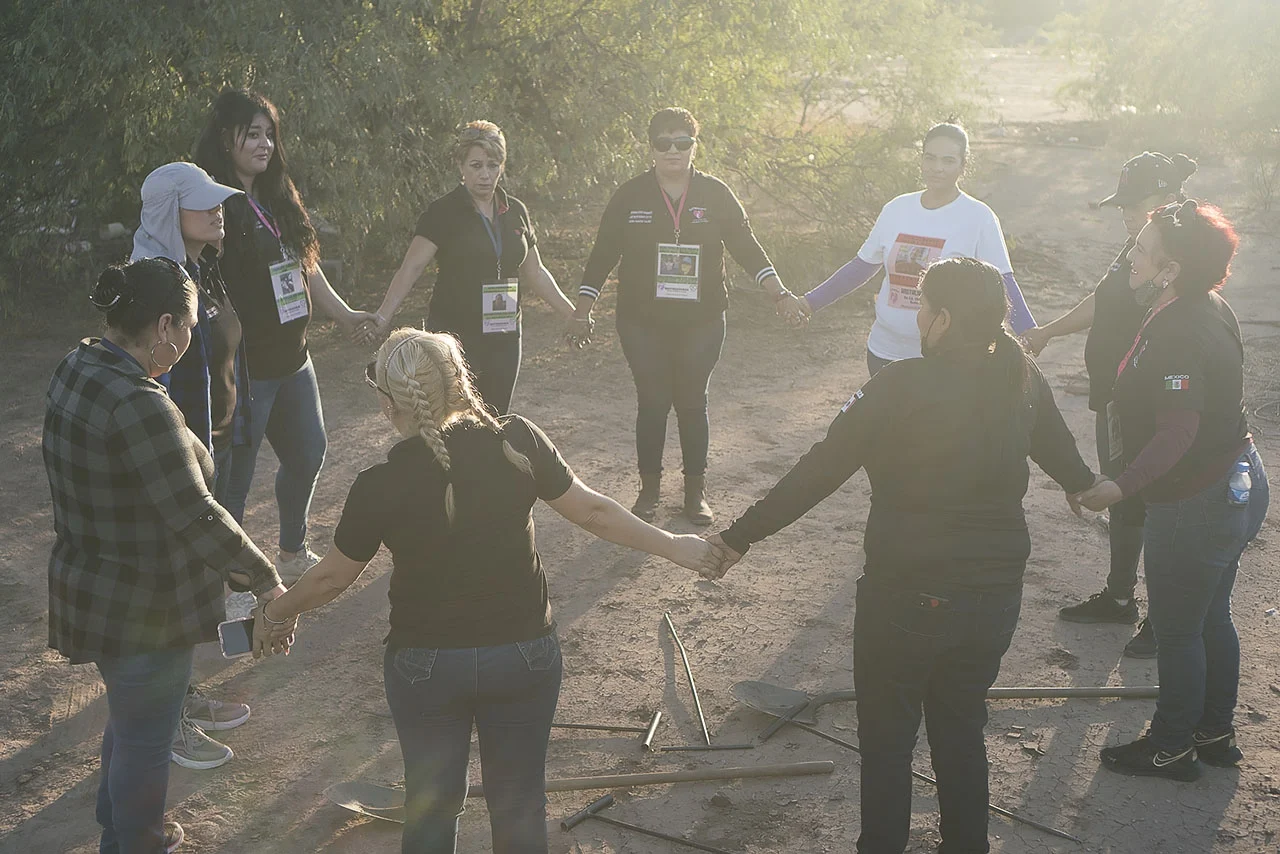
1148, 292
925, 347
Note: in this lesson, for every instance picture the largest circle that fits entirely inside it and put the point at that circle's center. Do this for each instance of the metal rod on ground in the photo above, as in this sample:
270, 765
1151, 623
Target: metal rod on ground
593, 811
693, 688
783, 721
1062, 834
601, 727
693, 775
676, 748
647, 742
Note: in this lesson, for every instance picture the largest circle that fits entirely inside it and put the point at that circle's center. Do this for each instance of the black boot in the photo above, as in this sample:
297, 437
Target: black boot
646, 506
696, 509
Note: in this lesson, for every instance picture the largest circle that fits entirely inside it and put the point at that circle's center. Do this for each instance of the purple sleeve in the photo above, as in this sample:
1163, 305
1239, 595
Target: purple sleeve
1019, 315
1175, 431
842, 282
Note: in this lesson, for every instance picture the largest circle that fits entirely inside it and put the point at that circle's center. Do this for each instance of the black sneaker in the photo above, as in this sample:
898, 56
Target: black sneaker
1143, 644
1101, 608
1218, 750
1141, 758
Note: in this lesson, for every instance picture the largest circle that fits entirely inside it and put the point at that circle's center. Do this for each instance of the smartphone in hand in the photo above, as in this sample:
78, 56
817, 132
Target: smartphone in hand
236, 637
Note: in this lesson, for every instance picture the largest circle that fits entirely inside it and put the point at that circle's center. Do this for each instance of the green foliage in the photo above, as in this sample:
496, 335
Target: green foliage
1201, 73
815, 102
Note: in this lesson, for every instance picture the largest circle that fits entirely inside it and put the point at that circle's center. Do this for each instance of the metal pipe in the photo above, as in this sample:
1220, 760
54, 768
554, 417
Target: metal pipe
1062, 834
778, 724
692, 747
693, 775
593, 811
601, 727
647, 742
693, 688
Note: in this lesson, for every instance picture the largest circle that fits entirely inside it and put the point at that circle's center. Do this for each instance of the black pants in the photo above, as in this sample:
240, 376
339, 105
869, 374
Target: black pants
495, 366
937, 651
1125, 520
672, 366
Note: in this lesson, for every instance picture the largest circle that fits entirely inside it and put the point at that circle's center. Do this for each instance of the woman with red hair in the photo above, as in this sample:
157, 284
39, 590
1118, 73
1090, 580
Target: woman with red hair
1189, 454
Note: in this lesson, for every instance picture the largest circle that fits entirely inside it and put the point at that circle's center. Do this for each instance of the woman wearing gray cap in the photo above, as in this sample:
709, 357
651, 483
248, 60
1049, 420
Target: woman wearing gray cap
1112, 317
182, 221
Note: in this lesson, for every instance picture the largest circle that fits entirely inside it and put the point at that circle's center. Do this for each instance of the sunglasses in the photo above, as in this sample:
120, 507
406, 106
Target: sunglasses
371, 377
664, 143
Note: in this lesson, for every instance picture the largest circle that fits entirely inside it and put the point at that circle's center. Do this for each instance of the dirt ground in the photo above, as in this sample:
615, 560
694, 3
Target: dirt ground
784, 615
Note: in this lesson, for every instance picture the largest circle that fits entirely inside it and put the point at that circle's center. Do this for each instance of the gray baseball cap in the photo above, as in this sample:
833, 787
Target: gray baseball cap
193, 187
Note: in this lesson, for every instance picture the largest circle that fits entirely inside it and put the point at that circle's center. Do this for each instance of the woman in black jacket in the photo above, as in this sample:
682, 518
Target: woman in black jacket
945, 441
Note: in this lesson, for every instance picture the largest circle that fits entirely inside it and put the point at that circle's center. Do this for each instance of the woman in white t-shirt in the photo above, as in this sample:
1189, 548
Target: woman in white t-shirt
913, 231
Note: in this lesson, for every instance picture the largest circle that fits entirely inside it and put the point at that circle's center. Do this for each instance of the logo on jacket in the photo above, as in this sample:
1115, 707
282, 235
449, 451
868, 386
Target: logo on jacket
857, 395
640, 217
698, 214
1177, 382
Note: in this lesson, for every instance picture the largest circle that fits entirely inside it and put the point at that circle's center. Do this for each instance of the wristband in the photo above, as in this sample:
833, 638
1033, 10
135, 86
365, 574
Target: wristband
267, 617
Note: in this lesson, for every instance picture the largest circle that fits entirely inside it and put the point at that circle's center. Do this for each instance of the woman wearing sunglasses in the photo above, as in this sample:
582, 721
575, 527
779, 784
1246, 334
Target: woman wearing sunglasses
667, 232
913, 231
472, 641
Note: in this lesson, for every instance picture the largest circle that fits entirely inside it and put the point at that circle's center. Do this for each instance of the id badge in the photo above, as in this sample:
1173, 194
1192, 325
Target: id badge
678, 270
904, 296
1115, 442
290, 290
500, 306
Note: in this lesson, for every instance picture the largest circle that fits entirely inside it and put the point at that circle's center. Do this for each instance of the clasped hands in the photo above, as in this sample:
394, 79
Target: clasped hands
1097, 498
708, 557
272, 636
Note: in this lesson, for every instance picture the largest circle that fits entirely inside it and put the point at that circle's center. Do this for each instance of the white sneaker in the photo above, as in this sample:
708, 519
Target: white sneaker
193, 749
294, 568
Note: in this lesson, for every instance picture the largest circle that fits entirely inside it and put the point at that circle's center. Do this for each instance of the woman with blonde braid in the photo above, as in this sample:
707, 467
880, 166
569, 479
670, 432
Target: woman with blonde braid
472, 641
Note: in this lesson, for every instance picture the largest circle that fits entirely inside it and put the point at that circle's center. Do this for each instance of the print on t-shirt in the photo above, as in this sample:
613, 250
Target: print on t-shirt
910, 256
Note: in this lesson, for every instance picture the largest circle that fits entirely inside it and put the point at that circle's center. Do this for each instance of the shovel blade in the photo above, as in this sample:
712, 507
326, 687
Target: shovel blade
773, 699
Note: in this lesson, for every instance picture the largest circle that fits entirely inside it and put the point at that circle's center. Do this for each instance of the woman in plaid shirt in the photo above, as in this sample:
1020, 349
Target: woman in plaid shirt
141, 549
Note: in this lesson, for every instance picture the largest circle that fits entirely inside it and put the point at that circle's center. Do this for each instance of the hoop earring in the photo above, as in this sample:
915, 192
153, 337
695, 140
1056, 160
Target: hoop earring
161, 365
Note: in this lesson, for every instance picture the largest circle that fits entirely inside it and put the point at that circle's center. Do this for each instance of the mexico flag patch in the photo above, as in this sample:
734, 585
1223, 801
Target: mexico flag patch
1177, 382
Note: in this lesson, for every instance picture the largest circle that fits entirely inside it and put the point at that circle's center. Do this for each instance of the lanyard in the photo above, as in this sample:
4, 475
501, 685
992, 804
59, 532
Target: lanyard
1150, 317
675, 215
494, 230
263, 217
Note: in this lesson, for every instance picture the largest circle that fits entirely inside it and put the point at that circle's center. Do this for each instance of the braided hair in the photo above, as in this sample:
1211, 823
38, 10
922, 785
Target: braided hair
426, 375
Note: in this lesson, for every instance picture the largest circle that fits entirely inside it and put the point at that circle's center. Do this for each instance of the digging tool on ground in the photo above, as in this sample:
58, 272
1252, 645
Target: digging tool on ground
593, 811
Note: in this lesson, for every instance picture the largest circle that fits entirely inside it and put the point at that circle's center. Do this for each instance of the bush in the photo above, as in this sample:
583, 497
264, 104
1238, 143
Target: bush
370, 93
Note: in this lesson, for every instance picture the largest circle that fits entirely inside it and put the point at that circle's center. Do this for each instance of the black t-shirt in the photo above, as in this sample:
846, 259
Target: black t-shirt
942, 516
1190, 357
636, 221
1116, 319
273, 349
479, 581
467, 261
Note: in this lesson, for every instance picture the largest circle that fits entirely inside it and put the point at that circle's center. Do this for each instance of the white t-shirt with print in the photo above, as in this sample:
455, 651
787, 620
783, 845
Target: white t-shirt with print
907, 238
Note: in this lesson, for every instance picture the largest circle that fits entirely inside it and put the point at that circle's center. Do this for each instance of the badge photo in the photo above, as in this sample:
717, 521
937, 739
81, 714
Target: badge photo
678, 271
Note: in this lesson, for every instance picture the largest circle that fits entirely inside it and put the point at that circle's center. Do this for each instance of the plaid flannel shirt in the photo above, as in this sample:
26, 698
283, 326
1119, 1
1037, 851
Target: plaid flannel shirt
141, 548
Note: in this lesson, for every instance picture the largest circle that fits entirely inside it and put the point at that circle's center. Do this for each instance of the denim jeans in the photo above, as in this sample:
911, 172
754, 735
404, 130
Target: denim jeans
222, 474
144, 696
672, 366
936, 650
1193, 552
509, 692
286, 411
495, 367
1125, 520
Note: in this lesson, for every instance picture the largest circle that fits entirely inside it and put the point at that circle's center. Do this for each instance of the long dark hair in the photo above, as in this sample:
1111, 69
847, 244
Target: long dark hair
134, 296
973, 293
232, 113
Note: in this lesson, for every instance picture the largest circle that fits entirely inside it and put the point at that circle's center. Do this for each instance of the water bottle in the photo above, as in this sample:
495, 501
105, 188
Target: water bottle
1239, 485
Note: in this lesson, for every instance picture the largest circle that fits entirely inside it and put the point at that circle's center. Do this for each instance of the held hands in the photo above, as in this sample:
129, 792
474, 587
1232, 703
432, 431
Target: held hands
1101, 496
1036, 339
370, 328
578, 330
723, 558
794, 310
271, 638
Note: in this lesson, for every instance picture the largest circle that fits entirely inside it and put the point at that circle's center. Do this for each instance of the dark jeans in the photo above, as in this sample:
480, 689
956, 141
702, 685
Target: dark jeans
1193, 553
144, 698
672, 366
875, 364
495, 367
909, 655
509, 692
1126, 517
286, 412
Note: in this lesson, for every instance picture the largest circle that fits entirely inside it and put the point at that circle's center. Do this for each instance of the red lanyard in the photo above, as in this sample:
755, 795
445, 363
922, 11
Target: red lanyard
261, 216
675, 215
1150, 317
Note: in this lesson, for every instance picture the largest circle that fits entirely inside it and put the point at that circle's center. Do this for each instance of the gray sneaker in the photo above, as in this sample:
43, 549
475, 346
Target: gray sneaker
173, 836
294, 568
193, 749
208, 713
240, 605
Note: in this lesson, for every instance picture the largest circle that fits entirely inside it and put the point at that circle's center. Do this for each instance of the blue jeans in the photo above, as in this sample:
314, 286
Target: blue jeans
1125, 521
509, 692
937, 651
1193, 552
144, 697
672, 366
286, 411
